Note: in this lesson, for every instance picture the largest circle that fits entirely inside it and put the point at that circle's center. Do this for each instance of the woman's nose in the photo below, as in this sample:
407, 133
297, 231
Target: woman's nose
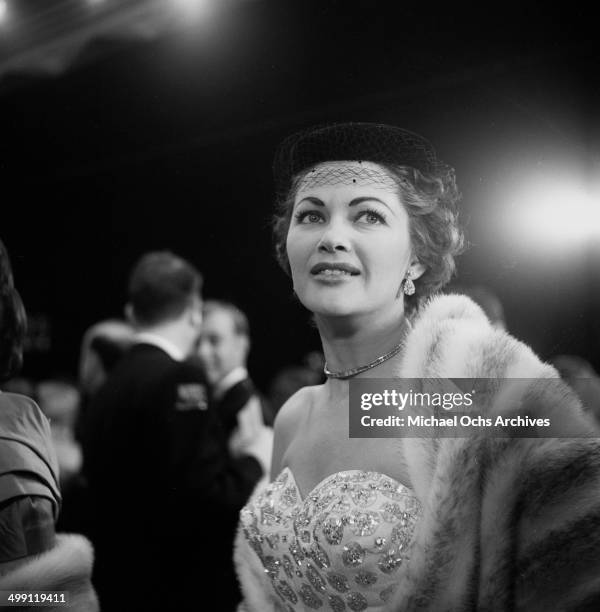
334, 238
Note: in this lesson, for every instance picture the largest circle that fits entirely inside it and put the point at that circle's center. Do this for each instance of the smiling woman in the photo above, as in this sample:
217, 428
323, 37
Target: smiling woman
403, 169
367, 229
348, 238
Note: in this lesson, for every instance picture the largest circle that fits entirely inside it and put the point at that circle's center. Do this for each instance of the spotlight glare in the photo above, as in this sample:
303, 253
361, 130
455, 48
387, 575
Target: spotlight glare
556, 215
3, 10
193, 8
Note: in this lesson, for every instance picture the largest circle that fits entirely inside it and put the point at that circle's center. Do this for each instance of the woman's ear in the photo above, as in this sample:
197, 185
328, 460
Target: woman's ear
417, 269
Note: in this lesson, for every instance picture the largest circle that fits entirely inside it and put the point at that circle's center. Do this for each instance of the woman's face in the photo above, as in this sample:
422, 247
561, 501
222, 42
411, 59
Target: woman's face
348, 244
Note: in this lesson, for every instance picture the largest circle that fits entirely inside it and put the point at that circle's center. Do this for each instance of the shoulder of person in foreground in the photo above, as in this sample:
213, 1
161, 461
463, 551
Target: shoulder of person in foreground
286, 422
28, 462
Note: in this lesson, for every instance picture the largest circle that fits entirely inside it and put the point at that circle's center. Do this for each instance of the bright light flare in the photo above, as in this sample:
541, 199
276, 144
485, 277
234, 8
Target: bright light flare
555, 214
194, 9
3, 11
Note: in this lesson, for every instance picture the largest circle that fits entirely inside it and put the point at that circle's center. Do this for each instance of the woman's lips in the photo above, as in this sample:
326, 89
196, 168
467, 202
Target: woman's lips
334, 270
332, 274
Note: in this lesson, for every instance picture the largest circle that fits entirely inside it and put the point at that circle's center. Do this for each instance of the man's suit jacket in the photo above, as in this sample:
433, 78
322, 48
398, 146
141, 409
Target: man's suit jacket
165, 492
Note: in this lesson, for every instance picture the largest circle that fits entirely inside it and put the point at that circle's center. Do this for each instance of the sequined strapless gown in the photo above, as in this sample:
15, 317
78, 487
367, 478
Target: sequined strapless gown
338, 549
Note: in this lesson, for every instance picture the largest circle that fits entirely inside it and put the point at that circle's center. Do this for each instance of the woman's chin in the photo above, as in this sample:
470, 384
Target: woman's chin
331, 308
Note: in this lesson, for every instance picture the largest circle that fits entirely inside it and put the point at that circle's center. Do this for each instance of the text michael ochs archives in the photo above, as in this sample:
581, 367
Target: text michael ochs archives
407, 408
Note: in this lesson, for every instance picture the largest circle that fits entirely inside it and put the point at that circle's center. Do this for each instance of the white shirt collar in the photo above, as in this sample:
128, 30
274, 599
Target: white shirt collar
229, 380
174, 352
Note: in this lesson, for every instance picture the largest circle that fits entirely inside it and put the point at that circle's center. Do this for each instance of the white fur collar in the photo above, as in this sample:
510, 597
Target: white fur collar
452, 338
66, 567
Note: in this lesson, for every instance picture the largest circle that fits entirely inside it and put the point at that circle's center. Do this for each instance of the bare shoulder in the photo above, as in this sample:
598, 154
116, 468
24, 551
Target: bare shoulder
294, 410
289, 418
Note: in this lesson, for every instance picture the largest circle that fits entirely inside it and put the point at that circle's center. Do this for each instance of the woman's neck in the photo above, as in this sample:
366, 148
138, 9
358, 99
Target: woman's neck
351, 342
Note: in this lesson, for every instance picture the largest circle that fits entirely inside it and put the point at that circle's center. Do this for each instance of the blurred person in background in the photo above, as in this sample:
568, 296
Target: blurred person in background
165, 490
59, 401
103, 344
223, 350
292, 378
32, 556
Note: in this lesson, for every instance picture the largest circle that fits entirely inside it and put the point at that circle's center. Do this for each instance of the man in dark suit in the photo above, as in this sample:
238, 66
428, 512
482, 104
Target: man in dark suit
223, 351
166, 493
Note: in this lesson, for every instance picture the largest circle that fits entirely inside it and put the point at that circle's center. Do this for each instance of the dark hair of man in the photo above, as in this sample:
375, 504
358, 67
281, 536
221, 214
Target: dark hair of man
13, 321
161, 286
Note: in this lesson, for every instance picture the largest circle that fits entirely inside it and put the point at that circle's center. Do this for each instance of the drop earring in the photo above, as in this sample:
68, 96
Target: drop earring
408, 285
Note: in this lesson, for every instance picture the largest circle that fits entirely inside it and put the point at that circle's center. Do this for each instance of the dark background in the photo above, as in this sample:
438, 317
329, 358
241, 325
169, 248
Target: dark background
168, 144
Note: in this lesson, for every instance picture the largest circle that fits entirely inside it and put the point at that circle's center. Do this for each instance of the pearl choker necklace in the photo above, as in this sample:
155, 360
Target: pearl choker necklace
343, 374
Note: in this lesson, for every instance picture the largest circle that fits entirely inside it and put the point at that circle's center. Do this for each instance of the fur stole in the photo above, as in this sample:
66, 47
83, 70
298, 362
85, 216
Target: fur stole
509, 523
66, 567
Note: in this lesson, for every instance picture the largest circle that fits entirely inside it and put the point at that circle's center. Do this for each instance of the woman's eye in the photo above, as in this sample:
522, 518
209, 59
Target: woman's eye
309, 216
371, 217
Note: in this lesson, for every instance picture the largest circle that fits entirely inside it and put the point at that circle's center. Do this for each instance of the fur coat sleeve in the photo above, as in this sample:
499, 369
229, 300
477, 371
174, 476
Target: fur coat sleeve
509, 523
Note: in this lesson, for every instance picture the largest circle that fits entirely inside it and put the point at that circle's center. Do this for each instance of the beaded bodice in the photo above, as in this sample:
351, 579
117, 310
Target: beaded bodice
338, 549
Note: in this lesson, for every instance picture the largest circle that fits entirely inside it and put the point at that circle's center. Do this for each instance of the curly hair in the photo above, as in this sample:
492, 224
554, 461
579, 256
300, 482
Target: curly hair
13, 321
430, 200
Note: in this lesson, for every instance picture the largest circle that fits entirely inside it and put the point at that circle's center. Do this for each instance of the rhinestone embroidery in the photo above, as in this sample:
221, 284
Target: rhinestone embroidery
319, 556
363, 497
353, 554
336, 603
273, 541
288, 566
391, 513
365, 578
390, 561
333, 530
357, 602
380, 542
339, 548
338, 582
309, 598
271, 567
390, 489
364, 523
289, 496
315, 579
286, 590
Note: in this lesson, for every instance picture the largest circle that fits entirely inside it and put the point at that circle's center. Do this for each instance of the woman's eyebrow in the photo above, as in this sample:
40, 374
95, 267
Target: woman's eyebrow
312, 200
353, 202
356, 201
